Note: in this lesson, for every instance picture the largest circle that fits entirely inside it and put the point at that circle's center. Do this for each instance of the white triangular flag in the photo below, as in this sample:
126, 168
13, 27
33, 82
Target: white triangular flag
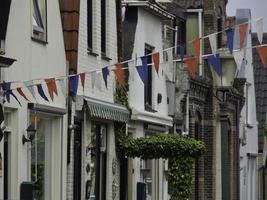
213, 43
167, 70
168, 56
30, 86
131, 67
62, 86
98, 81
259, 29
238, 56
93, 77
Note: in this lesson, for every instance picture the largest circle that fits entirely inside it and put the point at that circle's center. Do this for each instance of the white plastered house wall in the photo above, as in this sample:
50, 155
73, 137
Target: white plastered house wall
90, 62
148, 31
34, 60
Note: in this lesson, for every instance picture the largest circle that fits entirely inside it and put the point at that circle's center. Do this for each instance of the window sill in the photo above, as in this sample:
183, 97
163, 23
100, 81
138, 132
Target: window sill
43, 42
92, 53
105, 57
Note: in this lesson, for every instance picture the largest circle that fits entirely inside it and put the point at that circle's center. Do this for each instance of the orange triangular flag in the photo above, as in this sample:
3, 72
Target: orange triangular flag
82, 77
262, 51
242, 34
196, 44
192, 66
22, 94
52, 87
156, 60
119, 72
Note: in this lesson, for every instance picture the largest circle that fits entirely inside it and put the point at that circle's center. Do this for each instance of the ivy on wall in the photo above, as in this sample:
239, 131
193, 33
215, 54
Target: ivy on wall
180, 150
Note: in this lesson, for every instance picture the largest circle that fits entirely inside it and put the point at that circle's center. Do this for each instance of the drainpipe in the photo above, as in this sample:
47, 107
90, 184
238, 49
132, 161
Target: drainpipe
200, 34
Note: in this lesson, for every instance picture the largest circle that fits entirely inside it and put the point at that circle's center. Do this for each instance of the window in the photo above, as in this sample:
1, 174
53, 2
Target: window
98, 161
89, 24
148, 89
103, 27
219, 36
41, 157
39, 21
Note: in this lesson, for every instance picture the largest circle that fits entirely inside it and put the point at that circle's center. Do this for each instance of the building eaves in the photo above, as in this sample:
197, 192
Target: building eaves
190, 4
151, 7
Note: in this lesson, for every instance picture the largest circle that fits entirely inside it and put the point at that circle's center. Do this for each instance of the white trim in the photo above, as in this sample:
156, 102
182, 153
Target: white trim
151, 117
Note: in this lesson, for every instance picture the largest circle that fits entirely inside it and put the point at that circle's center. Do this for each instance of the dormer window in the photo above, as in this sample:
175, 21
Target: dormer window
39, 20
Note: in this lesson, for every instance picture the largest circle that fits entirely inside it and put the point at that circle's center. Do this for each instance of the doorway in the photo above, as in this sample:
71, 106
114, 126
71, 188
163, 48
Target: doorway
77, 162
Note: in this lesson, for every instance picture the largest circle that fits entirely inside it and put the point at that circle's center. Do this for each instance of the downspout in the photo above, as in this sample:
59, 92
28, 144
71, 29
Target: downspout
200, 34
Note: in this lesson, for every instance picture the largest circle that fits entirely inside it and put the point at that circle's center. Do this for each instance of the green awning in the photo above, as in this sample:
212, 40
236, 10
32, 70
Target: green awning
108, 111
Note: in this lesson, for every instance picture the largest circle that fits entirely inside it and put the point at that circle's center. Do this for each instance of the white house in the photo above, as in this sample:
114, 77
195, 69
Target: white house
34, 38
248, 122
93, 167
143, 34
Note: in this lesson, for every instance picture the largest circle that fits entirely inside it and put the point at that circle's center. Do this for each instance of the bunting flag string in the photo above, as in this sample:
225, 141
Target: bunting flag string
51, 86
259, 29
156, 60
41, 92
214, 60
191, 64
143, 70
119, 67
242, 34
119, 72
262, 51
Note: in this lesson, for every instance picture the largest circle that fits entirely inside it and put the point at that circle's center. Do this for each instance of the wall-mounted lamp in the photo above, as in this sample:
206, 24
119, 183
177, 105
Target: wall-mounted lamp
30, 134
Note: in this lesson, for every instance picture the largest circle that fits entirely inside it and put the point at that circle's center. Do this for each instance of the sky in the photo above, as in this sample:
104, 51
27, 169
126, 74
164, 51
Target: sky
258, 9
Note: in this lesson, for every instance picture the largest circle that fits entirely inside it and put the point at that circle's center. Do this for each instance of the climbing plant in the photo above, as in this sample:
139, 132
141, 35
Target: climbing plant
180, 150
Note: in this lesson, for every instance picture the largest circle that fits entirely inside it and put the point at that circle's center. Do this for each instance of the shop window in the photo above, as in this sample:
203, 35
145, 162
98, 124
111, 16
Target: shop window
98, 161
39, 20
41, 157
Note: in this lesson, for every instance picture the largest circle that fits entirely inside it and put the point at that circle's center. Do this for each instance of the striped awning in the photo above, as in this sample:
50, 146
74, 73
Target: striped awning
108, 111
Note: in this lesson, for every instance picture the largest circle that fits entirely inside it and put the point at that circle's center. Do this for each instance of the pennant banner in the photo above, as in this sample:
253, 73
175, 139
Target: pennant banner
131, 67
105, 74
182, 51
239, 56
82, 78
62, 86
7, 92
262, 51
73, 82
41, 92
143, 70
29, 85
19, 90
213, 43
52, 87
191, 64
156, 60
230, 39
242, 34
259, 29
196, 44
215, 61
119, 72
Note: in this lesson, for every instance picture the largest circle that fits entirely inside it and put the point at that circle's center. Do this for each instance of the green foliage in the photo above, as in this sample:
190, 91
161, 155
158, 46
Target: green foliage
162, 146
180, 150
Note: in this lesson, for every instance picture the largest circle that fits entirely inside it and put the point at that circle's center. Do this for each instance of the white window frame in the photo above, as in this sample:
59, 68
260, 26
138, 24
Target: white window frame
39, 20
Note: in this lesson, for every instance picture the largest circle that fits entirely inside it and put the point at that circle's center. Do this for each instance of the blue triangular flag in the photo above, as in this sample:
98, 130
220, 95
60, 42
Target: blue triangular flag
143, 70
215, 61
74, 80
182, 51
230, 39
7, 92
41, 92
105, 74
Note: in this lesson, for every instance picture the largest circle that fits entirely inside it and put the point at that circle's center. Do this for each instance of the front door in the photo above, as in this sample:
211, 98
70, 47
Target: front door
77, 162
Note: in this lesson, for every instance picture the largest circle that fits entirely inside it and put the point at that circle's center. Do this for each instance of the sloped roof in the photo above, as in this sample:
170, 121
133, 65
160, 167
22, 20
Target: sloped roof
260, 78
190, 3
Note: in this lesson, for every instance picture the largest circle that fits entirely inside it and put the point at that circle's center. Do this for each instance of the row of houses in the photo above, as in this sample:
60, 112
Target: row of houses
67, 148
